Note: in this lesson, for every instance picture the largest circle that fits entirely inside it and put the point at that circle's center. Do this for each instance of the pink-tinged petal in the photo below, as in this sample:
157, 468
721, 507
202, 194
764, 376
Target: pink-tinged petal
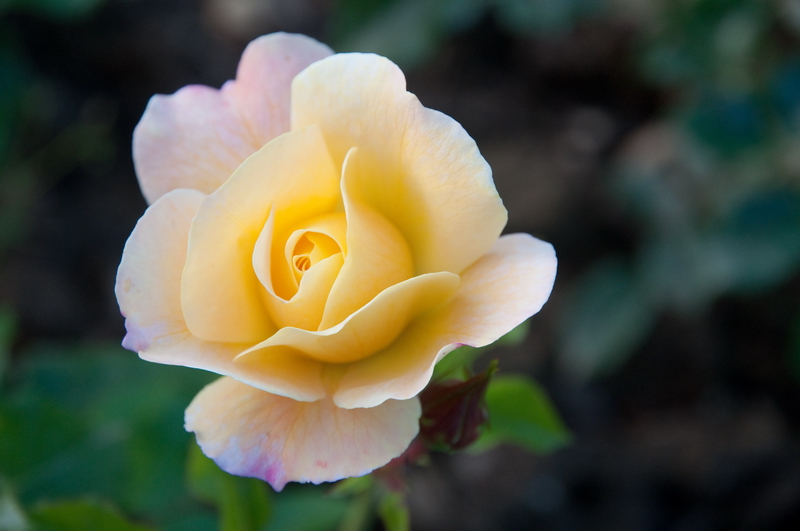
293, 177
198, 136
370, 329
191, 139
377, 254
420, 168
262, 89
148, 291
149, 275
252, 433
497, 293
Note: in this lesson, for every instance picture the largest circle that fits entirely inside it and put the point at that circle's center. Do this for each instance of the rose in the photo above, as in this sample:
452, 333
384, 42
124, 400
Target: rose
321, 239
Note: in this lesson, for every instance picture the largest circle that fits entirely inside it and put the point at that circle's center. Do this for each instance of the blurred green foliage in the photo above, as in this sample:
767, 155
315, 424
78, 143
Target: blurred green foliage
306, 508
55, 9
714, 185
520, 413
410, 31
80, 516
76, 422
243, 503
88, 431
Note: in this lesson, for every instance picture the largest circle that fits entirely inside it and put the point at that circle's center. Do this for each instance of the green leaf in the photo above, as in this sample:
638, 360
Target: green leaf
192, 521
243, 503
203, 476
81, 515
306, 508
393, 512
458, 363
96, 419
352, 486
12, 517
359, 515
520, 413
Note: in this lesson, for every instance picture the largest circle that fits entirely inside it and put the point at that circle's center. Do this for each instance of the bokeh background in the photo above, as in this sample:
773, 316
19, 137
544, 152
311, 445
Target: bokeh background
655, 143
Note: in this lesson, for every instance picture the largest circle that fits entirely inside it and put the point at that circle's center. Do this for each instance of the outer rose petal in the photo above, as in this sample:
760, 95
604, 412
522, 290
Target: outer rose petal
256, 434
498, 292
420, 169
149, 274
148, 291
198, 136
264, 77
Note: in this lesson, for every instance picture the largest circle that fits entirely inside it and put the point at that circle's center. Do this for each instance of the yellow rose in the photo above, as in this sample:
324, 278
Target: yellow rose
321, 239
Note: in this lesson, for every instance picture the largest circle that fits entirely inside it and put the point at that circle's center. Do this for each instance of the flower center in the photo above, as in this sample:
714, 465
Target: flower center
302, 262
294, 252
310, 248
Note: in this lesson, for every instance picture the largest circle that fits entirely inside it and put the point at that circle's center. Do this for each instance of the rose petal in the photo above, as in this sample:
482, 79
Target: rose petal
377, 254
149, 274
256, 434
262, 89
327, 234
304, 310
291, 176
498, 292
283, 372
422, 171
198, 136
148, 291
368, 330
304, 307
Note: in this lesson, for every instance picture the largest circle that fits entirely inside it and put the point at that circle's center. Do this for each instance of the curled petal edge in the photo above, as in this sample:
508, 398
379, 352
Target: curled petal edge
251, 433
497, 293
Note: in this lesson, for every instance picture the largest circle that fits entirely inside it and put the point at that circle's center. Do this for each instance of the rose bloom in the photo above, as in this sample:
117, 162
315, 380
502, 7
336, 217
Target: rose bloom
320, 239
